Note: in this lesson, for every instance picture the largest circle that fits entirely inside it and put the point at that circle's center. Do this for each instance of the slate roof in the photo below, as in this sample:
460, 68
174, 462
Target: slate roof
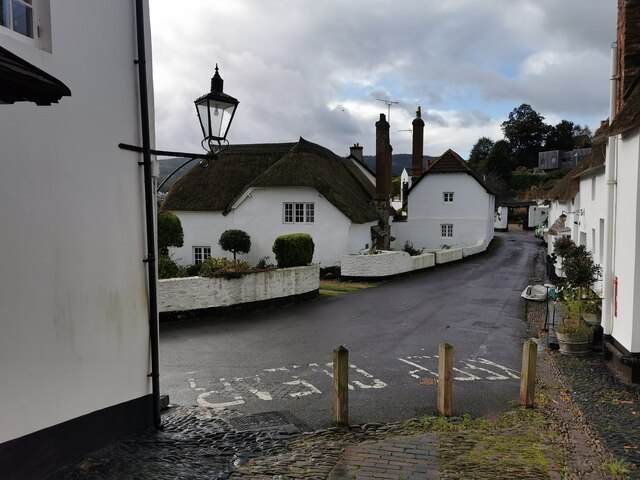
451, 162
301, 164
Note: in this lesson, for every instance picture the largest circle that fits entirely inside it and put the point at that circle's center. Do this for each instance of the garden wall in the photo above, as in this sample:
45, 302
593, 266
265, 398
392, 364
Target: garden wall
384, 264
193, 293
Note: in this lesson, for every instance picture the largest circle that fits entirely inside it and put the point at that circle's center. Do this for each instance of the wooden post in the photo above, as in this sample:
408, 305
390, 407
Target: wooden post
341, 387
445, 380
528, 375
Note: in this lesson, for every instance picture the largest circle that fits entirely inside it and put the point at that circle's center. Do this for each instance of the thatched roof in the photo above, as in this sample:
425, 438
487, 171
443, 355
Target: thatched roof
568, 186
451, 162
302, 164
628, 117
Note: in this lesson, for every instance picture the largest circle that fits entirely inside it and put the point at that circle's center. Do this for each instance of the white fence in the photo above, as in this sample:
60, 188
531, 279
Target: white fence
192, 293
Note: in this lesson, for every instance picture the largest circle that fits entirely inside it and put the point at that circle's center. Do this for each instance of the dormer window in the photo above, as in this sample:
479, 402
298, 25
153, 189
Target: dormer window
17, 15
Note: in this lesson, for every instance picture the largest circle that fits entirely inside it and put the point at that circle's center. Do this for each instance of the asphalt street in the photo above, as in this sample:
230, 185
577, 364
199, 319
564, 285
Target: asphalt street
279, 359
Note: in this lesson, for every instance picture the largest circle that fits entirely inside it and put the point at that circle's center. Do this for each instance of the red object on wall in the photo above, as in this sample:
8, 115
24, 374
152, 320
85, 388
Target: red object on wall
615, 296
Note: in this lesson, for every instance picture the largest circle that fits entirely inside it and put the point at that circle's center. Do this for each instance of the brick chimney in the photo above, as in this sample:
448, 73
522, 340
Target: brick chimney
418, 146
628, 39
383, 158
383, 182
356, 152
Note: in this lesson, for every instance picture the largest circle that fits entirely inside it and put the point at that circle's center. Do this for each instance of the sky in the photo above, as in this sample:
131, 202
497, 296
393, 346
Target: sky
317, 68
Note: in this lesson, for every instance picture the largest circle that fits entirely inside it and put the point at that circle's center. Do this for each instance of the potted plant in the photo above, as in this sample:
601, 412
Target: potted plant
575, 335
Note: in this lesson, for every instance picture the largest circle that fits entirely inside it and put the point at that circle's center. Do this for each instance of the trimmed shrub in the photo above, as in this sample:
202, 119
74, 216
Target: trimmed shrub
192, 270
294, 250
235, 241
170, 233
167, 268
410, 249
223, 267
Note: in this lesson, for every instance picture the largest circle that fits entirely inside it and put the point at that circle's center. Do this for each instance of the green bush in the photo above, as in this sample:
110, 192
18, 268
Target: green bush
223, 267
167, 268
294, 250
192, 270
170, 233
235, 241
410, 249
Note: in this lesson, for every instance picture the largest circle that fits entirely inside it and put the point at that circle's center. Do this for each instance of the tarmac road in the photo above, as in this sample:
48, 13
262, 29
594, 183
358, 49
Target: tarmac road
276, 360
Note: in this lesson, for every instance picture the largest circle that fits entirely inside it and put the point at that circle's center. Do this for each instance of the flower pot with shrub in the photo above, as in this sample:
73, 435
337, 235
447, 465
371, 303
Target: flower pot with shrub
575, 335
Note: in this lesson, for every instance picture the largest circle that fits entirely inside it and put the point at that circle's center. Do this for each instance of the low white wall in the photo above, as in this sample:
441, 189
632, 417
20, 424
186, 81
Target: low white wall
384, 264
446, 256
180, 294
479, 248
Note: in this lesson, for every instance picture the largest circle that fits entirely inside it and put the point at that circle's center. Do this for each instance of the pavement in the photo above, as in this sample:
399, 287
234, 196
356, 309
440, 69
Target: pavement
585, 425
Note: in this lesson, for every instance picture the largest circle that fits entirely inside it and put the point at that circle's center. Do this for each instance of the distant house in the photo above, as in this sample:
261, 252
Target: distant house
449, 204
556, 159
74, 298
272, 189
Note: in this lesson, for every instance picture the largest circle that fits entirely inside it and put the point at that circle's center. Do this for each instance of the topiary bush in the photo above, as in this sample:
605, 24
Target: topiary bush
293, 250
235, 241
225, 268
170, 233
167, 268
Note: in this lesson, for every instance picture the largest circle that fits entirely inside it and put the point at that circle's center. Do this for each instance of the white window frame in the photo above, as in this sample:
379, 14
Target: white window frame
298, 212
201, 253
447, 197
9, 29
446, 230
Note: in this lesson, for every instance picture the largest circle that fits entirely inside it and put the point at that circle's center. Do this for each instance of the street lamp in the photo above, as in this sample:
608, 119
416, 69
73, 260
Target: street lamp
215, 112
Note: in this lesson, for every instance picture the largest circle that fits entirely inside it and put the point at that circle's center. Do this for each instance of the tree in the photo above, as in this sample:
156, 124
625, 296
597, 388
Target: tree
235, 241
479, 152
560, 136
526, 131
170, 233
498, 167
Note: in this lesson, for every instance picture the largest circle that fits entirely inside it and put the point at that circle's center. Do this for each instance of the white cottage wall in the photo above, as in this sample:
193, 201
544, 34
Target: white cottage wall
470, 213
260, 214
73, 302
626, 267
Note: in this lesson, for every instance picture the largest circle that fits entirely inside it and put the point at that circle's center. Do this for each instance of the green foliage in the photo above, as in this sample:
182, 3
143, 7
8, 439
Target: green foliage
293, 250
526, 131
170, 232
235, 241
167, 268
579, 268
479, 153
192, 270
395, 186
560, 136
562, 246
225, 268
409, 248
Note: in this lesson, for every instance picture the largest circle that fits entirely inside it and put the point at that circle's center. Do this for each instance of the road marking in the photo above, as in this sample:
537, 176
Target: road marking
311, 389
468, 369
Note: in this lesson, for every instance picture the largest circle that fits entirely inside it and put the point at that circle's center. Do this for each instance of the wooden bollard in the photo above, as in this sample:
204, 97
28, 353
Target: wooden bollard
445, 380
341, 387
528, 375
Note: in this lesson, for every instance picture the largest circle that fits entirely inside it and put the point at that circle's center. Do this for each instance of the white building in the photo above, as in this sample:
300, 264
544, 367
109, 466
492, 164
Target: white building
448, 205
269, 190
621, 278
74, 314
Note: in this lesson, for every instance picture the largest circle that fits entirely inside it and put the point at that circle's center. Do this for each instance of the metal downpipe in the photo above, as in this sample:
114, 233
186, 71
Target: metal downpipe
149, 196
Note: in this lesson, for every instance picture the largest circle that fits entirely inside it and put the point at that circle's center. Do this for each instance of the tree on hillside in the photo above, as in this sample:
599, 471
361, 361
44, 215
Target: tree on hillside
526, 131
479, 153
170, 233
498, 167
560, 136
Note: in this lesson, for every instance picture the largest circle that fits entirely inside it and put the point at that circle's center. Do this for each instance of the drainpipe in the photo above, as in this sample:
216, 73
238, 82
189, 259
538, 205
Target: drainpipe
610, 174
149, 197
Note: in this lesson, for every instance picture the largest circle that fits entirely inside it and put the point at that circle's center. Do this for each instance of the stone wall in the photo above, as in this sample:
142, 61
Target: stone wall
384, 264
193, 293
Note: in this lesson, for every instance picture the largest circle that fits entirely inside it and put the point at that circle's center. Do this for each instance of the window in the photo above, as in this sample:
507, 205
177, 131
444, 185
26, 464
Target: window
447, 230
298, 212
18, 16
447, 197
200, 254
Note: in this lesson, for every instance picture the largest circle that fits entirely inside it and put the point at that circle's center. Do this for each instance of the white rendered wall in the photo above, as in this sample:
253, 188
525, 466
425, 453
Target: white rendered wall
593, 203
626, 267
261, 216
501, 221
192, 293
471, 213
73, 302
537, 215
